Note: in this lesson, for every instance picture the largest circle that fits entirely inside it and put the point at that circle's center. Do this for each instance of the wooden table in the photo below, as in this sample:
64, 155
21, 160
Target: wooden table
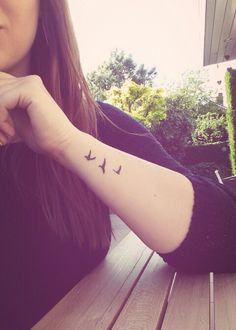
133, 289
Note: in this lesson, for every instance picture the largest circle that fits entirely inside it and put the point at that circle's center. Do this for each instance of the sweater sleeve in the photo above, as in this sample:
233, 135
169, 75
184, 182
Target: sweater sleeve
144, 146
210, 244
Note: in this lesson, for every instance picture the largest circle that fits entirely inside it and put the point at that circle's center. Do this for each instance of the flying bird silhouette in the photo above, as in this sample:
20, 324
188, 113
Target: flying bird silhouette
118, 171
103, 166
89, 156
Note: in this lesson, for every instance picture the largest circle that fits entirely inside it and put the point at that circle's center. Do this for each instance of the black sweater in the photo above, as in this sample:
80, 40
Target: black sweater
38, 269
211, 241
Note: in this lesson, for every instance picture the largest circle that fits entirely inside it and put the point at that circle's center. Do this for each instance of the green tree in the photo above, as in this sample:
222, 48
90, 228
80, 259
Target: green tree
210, 128
198, 103
115, 71
174, 132
193, 95
144, 103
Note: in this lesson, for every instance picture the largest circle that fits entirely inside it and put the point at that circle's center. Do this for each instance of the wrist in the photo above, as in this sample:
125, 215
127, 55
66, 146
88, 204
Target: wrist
68, 147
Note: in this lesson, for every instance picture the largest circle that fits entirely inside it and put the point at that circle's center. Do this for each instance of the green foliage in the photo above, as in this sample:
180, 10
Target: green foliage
174, 132
193, 116
144, 103
115, 71
210, 128
230, 83
186, 115
193, 95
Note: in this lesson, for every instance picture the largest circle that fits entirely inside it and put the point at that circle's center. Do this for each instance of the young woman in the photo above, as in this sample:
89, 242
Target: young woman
66, 159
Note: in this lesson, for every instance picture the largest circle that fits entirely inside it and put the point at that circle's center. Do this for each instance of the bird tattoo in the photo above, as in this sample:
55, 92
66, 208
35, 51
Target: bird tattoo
89, 156
118, 171
103, 166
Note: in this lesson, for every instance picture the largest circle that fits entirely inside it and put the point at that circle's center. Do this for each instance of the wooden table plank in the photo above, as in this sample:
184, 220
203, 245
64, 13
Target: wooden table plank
96, 300
188, 306
147, 303
225, 301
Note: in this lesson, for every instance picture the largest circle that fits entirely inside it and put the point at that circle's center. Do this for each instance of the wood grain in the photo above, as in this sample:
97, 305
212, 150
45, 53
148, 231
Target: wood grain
225, 301
98, 298
147, 303
188, 306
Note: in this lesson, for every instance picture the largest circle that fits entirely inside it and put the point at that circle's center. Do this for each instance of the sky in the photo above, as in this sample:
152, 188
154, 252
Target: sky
161, 33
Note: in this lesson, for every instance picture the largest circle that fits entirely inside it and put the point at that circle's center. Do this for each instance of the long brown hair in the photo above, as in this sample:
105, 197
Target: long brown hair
72, 210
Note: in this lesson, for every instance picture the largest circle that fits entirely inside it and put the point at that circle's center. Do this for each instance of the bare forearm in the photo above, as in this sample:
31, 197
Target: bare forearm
155, 202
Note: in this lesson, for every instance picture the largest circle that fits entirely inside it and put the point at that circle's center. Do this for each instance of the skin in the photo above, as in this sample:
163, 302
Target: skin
15, 39
23, 98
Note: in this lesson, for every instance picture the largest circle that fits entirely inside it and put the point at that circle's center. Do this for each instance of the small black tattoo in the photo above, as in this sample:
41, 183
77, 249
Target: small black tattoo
89, 156
103, 166
118, 171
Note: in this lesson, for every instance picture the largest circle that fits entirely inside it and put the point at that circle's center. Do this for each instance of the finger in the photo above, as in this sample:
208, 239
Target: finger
6, 122
8, 134
6, 84
14, 122
11, 93
4, 115
4, 75
8, 129
3, 139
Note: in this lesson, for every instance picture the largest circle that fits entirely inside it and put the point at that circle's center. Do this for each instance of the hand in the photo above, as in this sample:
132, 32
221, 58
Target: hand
28, 113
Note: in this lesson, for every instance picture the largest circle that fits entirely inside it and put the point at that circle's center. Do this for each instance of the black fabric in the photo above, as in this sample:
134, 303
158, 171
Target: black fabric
210, 244
38, 269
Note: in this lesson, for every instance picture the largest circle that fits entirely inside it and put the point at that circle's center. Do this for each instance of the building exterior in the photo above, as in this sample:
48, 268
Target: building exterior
219, 40
220, 31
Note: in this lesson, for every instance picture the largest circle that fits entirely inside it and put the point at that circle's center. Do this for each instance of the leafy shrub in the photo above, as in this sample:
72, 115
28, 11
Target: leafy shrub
144, 103
174, 132
230, 83
210, 128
